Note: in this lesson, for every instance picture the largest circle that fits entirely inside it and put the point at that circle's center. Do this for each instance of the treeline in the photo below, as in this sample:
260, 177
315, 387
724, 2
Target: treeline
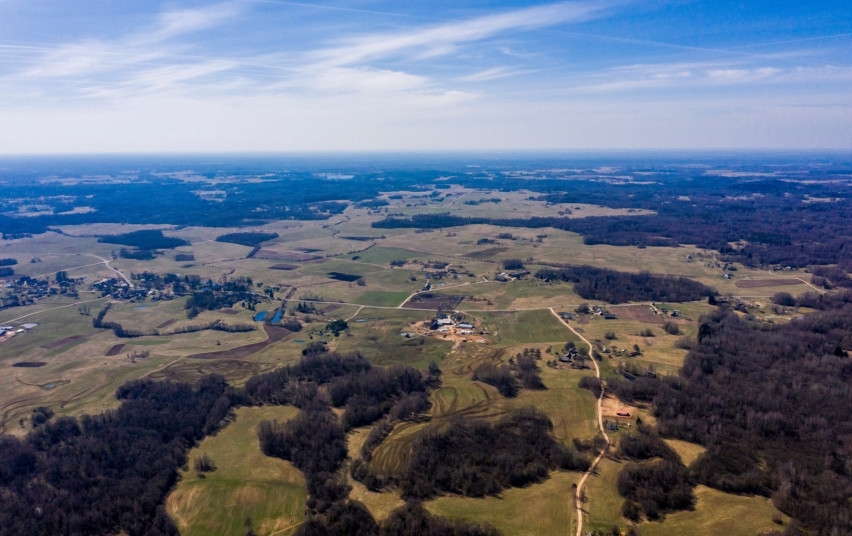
776, 219
108, 473
474, 458
771, 405
652, 487
249, 239
522, 371
611, 286
145, 240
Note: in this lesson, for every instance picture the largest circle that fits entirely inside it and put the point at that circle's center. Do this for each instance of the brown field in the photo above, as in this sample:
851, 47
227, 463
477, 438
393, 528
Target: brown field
432, 301
61, 342
29, 364
486, 253
167, 323
286, 256
637, 313
115, 350
273, 334
760, 283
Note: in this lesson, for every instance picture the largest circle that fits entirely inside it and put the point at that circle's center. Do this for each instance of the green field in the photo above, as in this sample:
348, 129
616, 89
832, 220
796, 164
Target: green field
381, 299
246, 483
79, 377
526, 327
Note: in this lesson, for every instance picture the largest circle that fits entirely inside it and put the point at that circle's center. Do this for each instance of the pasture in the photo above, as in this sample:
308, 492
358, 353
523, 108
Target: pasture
245, 484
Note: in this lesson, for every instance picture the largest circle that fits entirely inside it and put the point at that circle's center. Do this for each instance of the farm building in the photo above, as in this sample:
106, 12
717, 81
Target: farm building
440, 322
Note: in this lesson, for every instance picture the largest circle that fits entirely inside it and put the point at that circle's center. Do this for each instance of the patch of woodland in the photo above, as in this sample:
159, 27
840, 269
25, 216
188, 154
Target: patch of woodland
522, 371
145, 240
659, 484
250, 239
108, 473
770, 403
315, 440
611, 286
474, 458
413, 520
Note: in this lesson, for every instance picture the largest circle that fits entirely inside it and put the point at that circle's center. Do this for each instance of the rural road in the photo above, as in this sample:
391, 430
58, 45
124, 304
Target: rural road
101, 259
578, 504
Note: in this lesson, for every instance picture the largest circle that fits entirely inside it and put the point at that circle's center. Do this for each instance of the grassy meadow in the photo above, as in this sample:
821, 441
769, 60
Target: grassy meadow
245, 484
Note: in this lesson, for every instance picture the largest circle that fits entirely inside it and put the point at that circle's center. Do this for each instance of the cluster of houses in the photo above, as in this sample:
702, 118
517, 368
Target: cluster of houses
511, 276
445, 324
570, 355
118, 289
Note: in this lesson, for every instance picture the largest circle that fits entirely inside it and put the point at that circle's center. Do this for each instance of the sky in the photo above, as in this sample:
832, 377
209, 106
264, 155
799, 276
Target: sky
110, 76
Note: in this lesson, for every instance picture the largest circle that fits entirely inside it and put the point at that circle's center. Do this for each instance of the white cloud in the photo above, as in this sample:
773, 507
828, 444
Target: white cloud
494, 73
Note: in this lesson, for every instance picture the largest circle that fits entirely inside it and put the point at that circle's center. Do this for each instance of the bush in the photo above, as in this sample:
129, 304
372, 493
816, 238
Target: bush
685, 343
204, 464
671, 328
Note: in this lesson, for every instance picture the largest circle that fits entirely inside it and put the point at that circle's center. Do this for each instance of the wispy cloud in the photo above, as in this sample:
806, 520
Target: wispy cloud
158, 58
495, 73
708, 74
444, 38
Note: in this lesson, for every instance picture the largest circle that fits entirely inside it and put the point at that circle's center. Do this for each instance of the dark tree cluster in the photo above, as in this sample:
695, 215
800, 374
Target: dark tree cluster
316, 367
611, 286
144, 240
474, 458
108, 473
500, 376
413, 520
771, 404
522, 371
368, 396
513, 264
246, 238
654, 488
137, 254
316, 444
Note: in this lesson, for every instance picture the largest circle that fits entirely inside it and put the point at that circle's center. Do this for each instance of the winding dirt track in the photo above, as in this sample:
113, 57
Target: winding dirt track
578, 503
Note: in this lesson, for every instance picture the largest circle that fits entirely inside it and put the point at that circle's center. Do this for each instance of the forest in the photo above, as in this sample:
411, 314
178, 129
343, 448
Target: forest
611, 286
770, 403
144, 240
108, 473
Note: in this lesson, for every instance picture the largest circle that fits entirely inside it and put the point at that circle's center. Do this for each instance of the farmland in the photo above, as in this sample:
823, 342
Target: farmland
387, 284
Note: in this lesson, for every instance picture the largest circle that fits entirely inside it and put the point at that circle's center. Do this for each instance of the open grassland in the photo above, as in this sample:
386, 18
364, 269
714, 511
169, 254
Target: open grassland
381, 299
687, 451
381, 342
539, 509
246, 483
720, 513
525, 327
603, 503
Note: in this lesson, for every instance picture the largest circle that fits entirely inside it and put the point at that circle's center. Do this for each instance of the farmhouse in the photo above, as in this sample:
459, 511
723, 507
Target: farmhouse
440, 322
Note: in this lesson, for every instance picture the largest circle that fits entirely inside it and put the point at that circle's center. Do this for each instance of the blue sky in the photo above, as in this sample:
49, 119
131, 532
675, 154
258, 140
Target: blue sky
93, 76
